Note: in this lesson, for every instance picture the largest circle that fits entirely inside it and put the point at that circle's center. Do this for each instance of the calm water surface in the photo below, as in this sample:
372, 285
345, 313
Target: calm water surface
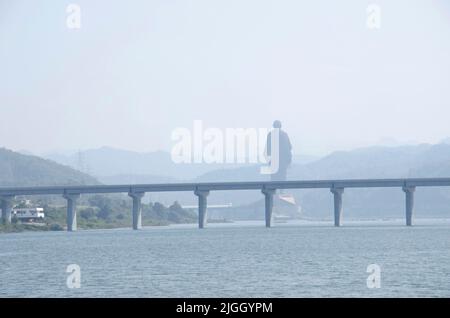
242, 259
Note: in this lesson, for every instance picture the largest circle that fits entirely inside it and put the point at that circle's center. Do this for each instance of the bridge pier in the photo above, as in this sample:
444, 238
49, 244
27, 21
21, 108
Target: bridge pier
137, 209
337, 192
202, 206
409, 204
6, 205
71, 210
268, 203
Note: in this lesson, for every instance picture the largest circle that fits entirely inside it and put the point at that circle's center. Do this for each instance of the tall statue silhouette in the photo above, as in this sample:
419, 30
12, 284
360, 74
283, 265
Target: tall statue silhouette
284, 152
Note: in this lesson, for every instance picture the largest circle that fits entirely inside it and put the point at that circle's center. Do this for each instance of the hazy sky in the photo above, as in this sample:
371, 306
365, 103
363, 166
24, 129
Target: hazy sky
136, 70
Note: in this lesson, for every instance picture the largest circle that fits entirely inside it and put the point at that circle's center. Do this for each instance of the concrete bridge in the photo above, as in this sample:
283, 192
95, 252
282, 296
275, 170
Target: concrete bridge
201, 190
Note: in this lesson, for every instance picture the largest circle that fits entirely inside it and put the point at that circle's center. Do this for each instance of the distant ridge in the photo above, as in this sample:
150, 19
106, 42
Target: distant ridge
406, 161
112, 162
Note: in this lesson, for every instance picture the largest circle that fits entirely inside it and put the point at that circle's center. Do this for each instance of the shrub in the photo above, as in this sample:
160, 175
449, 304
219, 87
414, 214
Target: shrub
56, 227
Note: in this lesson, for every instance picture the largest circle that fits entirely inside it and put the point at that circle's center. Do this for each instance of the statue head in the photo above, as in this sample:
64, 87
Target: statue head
276, 124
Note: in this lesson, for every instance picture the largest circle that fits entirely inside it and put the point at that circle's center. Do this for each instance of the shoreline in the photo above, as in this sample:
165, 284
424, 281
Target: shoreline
27, 228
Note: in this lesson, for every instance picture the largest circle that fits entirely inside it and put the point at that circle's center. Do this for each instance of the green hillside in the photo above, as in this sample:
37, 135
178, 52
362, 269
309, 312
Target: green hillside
95, 211
24, 170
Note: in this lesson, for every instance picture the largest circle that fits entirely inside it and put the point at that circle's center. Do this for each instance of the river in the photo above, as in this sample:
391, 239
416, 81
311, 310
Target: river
242, 259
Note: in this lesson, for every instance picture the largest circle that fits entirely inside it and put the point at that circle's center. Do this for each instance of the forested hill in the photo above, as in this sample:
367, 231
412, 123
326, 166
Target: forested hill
24, 170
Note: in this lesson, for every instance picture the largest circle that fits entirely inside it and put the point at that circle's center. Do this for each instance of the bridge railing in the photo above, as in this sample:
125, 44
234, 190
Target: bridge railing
202, 190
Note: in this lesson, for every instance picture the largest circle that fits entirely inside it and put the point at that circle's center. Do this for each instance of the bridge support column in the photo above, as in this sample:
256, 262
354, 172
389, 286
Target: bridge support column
337, 192
137, 209
71, 210
202, 206
6, 205
268, 198
409, 204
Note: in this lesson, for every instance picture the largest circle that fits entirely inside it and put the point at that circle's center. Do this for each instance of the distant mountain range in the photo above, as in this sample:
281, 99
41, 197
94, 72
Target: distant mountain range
115, 166
112, 165
373, 162
117, 163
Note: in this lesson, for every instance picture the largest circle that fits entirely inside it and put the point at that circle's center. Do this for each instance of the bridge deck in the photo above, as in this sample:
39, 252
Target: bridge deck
136, 191
251, 185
